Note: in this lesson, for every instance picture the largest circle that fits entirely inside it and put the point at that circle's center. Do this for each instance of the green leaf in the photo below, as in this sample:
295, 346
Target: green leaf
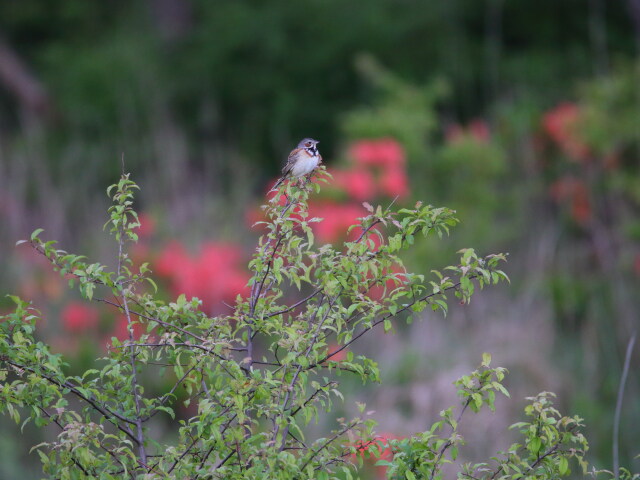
387, 325
563, 465
36, 232
454, 452
534, 445
486, 359
153, 284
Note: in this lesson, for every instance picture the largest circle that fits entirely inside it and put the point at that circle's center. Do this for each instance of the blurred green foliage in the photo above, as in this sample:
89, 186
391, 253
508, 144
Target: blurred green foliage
273, 72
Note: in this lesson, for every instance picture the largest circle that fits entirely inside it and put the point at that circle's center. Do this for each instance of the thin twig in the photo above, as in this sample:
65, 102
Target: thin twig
325, 444
105, 411
166, 396
448, 443
616, 418
550, 451
134, 376
295, 305
381, 320
57, 422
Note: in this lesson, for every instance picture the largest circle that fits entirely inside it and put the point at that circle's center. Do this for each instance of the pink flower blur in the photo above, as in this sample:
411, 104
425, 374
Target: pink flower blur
478, 130
385, 152
575, 192
337, 219
358, 183
560, 124
215, 275
147, 225
394, 183
78, 317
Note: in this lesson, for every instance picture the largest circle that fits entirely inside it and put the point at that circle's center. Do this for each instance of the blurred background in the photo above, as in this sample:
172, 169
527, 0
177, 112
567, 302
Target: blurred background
523, 116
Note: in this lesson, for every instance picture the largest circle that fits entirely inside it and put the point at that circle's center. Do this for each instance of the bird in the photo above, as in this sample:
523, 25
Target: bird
301, 161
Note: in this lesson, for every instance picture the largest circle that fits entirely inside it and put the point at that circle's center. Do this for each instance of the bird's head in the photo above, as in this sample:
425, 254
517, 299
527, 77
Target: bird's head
309, 144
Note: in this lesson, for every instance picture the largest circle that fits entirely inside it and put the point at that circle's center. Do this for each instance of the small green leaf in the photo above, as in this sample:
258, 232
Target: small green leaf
486, 359
153, 284
387, 325
563, 465
534, 445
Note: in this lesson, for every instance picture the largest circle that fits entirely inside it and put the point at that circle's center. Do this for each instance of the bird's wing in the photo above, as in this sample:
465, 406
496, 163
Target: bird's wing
291, 160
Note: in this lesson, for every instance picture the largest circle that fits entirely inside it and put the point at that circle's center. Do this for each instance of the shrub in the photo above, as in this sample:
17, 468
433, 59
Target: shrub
257, 376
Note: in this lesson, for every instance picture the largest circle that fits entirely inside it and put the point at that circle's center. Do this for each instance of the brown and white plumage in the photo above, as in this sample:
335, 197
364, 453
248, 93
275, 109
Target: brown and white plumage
301, 161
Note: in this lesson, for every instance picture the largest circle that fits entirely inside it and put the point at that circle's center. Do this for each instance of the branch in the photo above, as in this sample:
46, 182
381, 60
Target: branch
448, 443
616, 418
550, 451
290, 390
295, 305
293, 414
325, 444
166, 396
55, 420
381, 320
175, 327
367, 230
134, 376
105, 411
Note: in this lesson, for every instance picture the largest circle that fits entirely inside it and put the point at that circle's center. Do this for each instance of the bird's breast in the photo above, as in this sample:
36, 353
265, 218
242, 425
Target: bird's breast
305, 165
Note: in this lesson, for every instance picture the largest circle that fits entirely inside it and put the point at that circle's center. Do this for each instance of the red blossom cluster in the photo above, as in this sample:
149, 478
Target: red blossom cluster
576, 192
79, 317
337, 218
340, 356
215, 275
477, 130
378, 169
560, 124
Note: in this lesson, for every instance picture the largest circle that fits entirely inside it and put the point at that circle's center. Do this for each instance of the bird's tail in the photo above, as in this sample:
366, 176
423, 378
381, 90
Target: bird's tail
282, 179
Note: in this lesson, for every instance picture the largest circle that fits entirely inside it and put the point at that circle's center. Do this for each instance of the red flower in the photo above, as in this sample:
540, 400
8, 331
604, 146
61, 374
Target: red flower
574, 191
147, 225
171, 260
394, 182
78, 317
358, 183
214, 276
381, 443
580, 204
340, 356
477, 130
636, 264
337, 218
560, 124
386, 152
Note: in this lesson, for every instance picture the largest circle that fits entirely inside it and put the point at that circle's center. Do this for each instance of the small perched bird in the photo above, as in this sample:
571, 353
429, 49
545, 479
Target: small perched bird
302, 160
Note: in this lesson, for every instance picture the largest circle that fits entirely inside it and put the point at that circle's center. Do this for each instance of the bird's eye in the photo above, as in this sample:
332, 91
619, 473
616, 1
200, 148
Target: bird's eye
308, 144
